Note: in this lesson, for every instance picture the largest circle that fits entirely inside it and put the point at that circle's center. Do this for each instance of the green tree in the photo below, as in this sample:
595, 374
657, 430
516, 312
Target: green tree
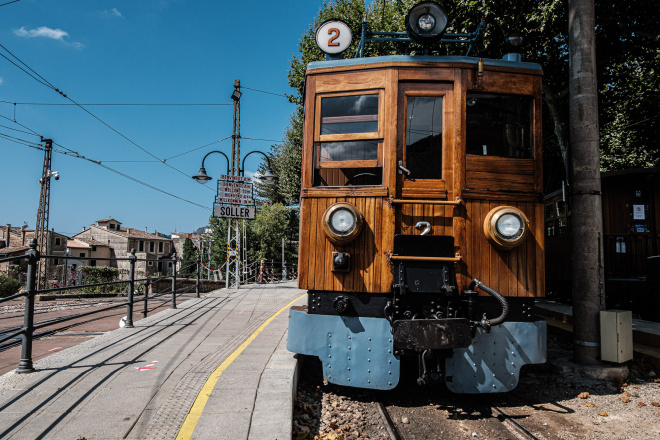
270, 226
628, 48
9, 286
218, 236
188, 268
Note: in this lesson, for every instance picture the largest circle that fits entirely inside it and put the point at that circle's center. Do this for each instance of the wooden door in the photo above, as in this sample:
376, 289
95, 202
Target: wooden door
425, 154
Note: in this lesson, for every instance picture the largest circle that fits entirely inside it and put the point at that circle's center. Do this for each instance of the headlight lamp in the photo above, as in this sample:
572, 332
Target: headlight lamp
342, 222
426, 22
506, 227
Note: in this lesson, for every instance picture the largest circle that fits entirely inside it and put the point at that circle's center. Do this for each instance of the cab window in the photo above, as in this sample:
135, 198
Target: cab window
348, 143
499, 125
424, 136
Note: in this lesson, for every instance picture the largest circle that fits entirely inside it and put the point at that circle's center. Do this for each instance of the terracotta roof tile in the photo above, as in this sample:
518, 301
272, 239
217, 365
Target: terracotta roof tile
107, 220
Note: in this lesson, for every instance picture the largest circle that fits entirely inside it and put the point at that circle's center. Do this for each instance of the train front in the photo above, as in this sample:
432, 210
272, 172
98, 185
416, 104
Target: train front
421, 230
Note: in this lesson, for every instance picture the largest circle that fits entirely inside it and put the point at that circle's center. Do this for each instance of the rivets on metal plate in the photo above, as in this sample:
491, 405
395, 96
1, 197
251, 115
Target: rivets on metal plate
350, 337
349, 358
349, 368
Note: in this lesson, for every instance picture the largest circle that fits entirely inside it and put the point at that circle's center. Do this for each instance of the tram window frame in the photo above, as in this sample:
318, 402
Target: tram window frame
347, 169
483, 150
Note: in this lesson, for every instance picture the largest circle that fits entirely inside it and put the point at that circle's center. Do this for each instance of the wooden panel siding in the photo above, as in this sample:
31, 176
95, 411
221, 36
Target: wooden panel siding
515, 272
500, 173
368, 266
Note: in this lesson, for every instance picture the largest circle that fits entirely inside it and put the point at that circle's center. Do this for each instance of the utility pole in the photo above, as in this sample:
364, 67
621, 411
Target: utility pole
41, 230
233, 225
585, 191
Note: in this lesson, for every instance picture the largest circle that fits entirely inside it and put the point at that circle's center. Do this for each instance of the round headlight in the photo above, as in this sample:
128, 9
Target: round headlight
342, 222
426, 22
509, 226
505, 227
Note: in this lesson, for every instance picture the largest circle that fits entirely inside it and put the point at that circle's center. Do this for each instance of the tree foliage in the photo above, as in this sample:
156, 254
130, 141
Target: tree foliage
9, 286
189, 256
627, 44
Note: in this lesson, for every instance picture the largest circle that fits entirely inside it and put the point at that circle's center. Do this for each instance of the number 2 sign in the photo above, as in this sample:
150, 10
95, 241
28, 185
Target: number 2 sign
333, 37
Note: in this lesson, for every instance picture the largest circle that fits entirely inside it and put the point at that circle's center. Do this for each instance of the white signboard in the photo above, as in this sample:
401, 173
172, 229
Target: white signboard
233, 212
638, 212
333, 36
234, 190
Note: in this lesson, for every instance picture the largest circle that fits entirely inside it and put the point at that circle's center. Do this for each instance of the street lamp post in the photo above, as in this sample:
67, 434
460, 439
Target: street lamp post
235, 168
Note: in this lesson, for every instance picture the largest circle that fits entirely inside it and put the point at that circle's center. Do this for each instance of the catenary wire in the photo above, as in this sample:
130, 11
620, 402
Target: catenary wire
72, 153
13, 1
116, 104
262, 91
198, 148
49, 85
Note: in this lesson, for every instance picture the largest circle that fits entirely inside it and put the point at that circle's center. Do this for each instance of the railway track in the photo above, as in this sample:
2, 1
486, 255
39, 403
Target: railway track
482, 419
67, 306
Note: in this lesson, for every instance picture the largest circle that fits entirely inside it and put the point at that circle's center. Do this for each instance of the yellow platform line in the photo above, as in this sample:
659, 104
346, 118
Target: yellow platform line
189, 424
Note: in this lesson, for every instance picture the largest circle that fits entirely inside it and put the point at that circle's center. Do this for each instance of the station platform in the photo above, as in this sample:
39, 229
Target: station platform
646, 334
214, 368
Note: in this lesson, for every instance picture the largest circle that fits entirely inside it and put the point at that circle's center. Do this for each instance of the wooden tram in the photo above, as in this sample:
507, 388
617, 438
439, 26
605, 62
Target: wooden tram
422, 225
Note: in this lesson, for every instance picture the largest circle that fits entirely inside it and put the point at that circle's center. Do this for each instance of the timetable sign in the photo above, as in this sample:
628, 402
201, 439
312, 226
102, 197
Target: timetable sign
236, 190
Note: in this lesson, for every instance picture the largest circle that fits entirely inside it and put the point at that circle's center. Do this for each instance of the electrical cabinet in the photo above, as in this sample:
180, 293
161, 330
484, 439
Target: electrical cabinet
616, 341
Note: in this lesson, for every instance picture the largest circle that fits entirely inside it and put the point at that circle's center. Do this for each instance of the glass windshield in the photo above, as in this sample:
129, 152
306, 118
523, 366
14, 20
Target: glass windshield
349, 114
424, 137
498, 125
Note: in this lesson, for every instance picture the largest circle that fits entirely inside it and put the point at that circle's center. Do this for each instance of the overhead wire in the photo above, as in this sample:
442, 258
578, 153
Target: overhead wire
198, 148
118, 104
71, 153
262, 91
46, 83
13, 1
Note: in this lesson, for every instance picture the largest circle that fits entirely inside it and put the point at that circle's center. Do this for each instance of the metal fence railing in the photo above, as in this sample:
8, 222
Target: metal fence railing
131, 286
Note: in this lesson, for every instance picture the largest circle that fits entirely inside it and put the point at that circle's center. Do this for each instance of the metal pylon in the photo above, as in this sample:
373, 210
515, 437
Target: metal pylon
41, 229
233, 225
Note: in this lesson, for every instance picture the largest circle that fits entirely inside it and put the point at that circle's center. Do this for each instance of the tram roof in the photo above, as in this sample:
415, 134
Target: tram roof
421, 59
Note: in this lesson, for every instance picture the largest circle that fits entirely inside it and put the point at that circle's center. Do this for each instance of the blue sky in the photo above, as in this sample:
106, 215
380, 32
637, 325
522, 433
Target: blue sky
139, 52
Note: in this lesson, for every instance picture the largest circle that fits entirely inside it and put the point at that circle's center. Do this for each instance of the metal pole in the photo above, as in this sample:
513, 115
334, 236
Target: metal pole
131, 288
41, 229
208, 269
233, 228
173, 306
32, 256
146, 298
197, 281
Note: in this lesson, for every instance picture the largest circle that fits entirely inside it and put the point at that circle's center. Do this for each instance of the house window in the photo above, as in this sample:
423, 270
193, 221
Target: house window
93, 248
160, 247
150, 263
112, 226
160, 266
82, 254
151, 246
57, 241
140, 246
92, 263
56, 261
